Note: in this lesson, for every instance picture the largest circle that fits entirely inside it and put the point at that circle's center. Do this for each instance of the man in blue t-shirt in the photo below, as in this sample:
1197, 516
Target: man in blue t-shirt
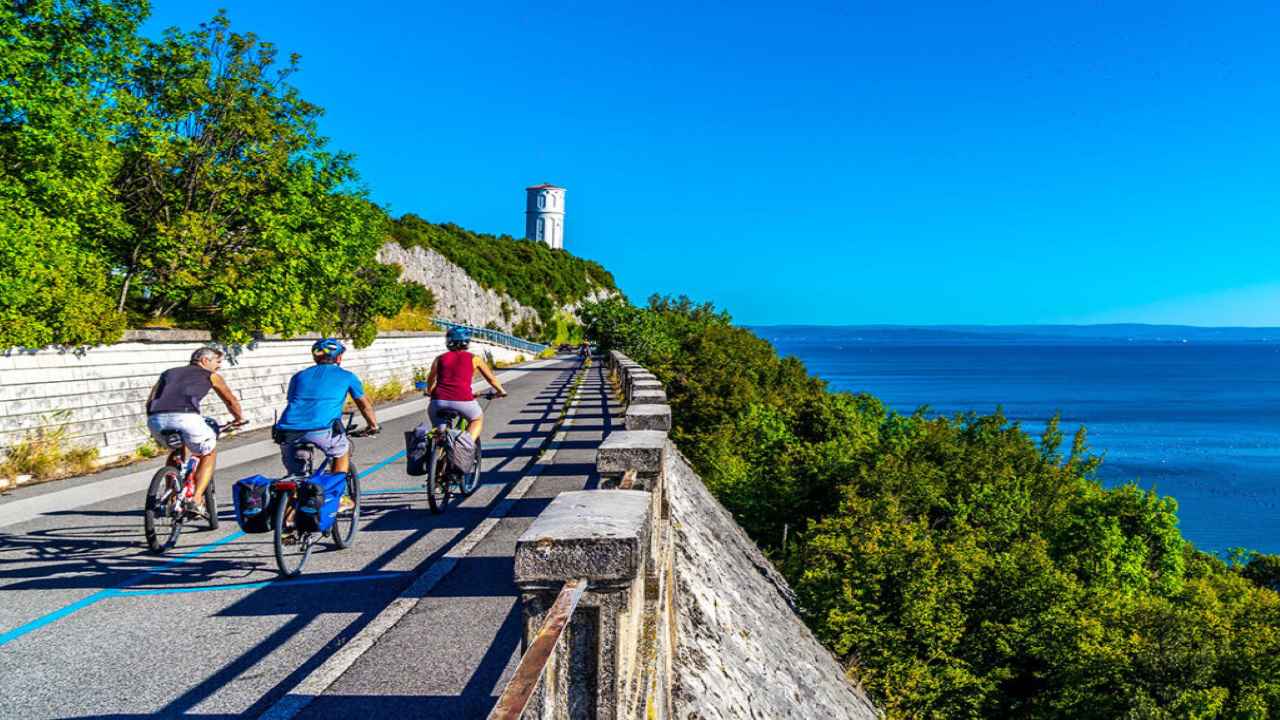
314, 413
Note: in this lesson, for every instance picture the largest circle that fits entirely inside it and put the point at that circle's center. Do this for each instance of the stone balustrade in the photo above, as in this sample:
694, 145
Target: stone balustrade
681, 616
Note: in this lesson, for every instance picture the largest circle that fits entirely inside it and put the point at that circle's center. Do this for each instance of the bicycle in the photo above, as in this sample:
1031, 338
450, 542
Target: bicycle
442, 475
164, 514
293, 546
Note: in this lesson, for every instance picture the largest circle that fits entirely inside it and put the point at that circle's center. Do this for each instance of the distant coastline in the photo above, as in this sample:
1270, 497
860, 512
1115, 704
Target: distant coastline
1031, 334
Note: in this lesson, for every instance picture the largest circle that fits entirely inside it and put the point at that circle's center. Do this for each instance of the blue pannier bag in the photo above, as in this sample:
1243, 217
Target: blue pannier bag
254, 504
318, 500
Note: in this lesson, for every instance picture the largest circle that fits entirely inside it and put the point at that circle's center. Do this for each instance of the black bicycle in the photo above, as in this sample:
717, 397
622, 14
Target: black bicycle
166, 508
443, 477
293, 545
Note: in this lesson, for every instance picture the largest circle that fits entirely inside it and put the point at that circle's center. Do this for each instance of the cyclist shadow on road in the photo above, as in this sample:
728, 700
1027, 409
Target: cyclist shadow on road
88, 557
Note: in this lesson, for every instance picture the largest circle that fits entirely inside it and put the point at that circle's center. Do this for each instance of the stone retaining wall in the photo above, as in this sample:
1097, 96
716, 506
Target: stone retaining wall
98, 396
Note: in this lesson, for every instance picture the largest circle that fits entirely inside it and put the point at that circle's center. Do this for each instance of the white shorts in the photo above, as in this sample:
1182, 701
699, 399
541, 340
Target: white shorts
195, 431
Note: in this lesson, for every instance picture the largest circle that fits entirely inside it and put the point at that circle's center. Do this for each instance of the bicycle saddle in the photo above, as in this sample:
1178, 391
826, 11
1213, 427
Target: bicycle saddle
172, 438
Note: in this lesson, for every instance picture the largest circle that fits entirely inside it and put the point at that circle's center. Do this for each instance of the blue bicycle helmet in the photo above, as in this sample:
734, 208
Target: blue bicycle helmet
327, 349
457, 338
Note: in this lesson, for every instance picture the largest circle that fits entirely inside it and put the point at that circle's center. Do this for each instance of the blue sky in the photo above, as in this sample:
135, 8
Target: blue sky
889, 162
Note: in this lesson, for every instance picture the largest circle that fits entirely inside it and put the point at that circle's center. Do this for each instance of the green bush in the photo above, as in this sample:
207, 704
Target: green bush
959, 567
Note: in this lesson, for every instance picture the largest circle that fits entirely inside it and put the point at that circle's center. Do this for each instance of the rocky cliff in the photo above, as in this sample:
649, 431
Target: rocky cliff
458, 296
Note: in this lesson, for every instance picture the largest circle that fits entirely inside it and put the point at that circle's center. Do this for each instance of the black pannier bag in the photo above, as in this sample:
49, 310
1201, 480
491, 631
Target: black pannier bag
254, 504
417, 450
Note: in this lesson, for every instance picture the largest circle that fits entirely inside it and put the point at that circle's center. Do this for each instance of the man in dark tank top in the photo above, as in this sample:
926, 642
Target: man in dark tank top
174, 406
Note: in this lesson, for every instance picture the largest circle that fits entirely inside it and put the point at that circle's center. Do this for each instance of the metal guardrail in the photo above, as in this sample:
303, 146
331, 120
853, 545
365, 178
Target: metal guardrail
494, 336
533, 664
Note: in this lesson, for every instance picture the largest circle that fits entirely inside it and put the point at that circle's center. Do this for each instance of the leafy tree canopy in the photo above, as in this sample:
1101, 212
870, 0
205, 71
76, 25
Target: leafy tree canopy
183, 178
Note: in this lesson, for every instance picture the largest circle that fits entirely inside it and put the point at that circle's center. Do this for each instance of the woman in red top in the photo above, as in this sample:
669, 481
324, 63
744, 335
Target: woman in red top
449, 382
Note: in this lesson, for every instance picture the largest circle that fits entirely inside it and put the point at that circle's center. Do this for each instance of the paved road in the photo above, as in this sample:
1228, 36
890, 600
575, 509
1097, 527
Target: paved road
91, 625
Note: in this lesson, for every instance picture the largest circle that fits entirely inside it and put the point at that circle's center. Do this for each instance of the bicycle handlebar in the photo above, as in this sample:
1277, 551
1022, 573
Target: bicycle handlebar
233, 425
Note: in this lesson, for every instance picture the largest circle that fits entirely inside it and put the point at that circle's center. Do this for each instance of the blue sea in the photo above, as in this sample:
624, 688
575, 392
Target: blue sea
1191, 412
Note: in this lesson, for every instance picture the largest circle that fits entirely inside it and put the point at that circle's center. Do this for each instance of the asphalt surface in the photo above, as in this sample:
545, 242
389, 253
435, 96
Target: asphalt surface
429, 664
92, 625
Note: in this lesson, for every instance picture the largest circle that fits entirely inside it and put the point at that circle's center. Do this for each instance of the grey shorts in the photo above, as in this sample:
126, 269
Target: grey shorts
469, 409
333, 446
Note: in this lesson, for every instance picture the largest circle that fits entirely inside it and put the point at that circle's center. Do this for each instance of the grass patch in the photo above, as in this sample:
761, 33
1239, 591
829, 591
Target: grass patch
46, 454
392, 389
147, 450
409, 319
508, 363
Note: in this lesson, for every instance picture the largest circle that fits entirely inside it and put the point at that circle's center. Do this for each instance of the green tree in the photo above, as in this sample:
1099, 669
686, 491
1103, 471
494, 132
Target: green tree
239, 219
61, 65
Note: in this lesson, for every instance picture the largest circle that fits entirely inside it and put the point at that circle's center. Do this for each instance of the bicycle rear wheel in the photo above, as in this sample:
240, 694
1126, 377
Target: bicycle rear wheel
292, 547
471, 480
437, 483
347, 524
162, 514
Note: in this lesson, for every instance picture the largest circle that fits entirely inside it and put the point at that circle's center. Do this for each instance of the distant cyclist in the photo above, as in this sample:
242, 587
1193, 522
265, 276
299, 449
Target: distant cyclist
449, 382
314, 413
174, 406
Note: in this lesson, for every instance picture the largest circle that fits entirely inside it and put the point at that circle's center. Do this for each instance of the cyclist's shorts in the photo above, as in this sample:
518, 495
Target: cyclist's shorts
332, 445
195, 430
469, 409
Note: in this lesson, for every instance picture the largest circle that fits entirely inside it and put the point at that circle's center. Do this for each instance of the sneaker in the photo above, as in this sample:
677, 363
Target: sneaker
345, 503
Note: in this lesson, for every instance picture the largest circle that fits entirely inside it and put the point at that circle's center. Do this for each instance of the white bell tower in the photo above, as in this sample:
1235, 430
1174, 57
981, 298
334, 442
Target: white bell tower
544, 214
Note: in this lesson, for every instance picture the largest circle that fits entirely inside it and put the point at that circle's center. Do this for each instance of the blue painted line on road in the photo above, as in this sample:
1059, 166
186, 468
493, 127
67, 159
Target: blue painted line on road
394, 490
382, 464
71, 608
54, 616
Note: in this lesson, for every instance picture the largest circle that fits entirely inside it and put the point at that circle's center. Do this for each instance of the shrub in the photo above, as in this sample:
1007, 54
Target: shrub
45, 454
959, 567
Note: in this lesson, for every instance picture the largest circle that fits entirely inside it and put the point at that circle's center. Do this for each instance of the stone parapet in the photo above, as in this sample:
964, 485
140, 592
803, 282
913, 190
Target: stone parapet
648, 417
585, 534
603, 538
649, 397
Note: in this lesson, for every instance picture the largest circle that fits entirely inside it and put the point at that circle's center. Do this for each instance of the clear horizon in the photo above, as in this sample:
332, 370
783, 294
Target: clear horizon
825, 163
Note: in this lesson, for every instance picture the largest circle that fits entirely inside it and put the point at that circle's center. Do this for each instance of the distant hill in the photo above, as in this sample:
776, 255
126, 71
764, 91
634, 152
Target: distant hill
552, 282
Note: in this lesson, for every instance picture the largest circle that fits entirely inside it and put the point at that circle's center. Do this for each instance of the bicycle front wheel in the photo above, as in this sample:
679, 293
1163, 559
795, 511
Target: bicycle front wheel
347, 524
211, 503
471, 480
162, 514
437, 483
292, 547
